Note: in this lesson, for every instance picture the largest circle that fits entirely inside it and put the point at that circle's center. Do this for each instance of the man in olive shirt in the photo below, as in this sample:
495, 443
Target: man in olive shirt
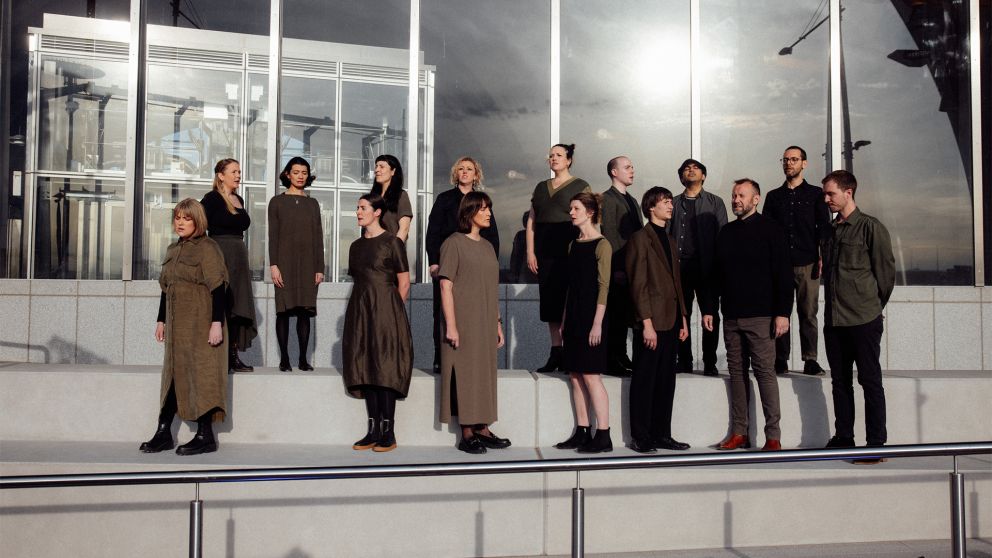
858, 276
621, 218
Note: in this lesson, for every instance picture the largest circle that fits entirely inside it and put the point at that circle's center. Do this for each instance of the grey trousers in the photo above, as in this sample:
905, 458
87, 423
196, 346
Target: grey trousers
807, 304
755, 336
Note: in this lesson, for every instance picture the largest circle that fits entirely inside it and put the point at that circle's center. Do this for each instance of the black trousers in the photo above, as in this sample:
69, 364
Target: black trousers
693, 284
621, 316
652, 386
438, 321
857, 345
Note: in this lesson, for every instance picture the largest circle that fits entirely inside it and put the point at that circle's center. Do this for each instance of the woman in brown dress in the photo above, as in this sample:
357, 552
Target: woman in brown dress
191, 323
227, 221
389, 184
473, 329
377, 346
296, 258
549, 231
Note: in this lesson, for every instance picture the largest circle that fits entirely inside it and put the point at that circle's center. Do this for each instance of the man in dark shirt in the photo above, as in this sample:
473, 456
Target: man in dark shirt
858, 278
466, 176
621, 218
697, 219
752, 282
799, 208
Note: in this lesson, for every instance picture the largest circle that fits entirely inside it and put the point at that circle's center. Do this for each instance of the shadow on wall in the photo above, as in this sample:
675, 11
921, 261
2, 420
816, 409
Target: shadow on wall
58, 350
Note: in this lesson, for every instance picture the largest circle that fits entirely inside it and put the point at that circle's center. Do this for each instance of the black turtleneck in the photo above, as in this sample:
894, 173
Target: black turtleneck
662, 233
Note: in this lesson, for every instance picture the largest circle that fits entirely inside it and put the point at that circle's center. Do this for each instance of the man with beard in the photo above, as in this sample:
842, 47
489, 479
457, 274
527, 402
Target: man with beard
752, 282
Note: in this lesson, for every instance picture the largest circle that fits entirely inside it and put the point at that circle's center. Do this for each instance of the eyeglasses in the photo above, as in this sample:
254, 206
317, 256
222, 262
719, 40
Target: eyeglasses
792, 160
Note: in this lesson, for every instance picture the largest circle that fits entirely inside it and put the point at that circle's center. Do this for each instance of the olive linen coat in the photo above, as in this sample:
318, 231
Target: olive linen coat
296, 246
473, 269
191, 270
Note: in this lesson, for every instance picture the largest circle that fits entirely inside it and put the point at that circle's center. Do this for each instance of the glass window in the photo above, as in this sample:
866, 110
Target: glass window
257, 125
756, 99
348, 232
79, 225
308, 124
257, 206
325, 197
159, 200
491, 99
909, 144
374, 124
619, 100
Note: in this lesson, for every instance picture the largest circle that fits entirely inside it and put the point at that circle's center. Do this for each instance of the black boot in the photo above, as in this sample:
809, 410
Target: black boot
304, 365
162, 440
554, 361
234, 363
370, 439
579, 438
387, 440
600, 443
203, 441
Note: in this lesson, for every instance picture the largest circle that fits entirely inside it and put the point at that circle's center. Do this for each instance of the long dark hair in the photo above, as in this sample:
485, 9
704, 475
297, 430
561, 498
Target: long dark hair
392, 195
284, 175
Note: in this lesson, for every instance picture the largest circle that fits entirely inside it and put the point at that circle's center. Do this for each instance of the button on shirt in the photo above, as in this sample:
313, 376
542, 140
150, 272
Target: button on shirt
687, 232
803, 214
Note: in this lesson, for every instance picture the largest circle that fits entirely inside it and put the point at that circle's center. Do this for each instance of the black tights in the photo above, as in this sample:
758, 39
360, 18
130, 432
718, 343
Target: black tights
302, 333
380, 402
170, 407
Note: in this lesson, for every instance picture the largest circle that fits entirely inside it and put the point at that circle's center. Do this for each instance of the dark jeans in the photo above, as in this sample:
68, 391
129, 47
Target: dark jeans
693, 284
859, 345
652, 386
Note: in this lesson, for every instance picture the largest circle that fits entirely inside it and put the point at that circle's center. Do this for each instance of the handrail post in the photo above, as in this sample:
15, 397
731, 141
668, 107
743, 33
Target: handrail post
196, 526
959, 541
578, 518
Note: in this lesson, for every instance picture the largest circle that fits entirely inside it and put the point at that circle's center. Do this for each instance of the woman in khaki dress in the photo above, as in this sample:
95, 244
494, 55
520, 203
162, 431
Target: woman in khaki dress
191, 323
377, 346
473, 329
296, 258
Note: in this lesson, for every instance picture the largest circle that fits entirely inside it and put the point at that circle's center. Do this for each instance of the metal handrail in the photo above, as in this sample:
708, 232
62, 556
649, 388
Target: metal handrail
576, 465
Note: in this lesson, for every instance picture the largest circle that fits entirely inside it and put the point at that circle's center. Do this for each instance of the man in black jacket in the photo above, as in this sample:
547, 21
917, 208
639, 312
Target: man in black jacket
752, 281
466, 176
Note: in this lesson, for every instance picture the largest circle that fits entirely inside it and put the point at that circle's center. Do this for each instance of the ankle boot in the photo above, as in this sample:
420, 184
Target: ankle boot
162, 440
284, 364
579, 438
370, 439
554, 361
387, 440
304, 365
203, 441
600, 443
234, 363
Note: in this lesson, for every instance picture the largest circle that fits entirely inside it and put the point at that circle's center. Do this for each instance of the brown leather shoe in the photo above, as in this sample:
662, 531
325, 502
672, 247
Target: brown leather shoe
734, 441
771, 444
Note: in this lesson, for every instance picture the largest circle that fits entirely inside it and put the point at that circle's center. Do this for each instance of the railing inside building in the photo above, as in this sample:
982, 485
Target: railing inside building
955, 450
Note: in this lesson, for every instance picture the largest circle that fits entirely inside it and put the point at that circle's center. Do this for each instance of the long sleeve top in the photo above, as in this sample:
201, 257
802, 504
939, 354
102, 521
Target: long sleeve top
701, 225
220, 221
443, 222
859, 271
803, 215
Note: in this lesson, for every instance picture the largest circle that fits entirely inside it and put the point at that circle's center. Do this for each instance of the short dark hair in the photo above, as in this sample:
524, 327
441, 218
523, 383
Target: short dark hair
844, 179
472, 203
284, 175
614, 163
592, 203
801, 150
651, 198
376, 201
686, 163
746, 180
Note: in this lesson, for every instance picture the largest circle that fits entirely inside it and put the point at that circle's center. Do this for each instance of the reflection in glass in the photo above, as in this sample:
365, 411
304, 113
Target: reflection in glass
619, 100
82, 114
348, 232
907, 82
491, 97
373, 123
193, 120
160, 199
325, 198
756, 100
79, 228
256, 204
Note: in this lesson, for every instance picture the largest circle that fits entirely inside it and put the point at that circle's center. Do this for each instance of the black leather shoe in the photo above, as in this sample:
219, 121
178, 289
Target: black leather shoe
161, 441
813, 368
710, 370
600, 443
201, 443
642, 447
305, 366
683, 367
492, 441
579, 438
837, 442
781, 367
234, 363
471, 445
284, 366
387, 440
370, 439
670, 443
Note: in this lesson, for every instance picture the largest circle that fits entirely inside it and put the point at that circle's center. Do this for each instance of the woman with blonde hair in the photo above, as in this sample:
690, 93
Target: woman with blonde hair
227, 221
191, 324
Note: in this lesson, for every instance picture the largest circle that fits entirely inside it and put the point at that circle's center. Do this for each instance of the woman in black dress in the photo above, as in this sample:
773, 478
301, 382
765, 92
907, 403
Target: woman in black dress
227, 221
377, 346
549, 231
296, 258
388, 183
585, 354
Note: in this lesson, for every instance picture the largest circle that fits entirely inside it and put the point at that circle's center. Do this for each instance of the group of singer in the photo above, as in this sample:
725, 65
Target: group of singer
601, 272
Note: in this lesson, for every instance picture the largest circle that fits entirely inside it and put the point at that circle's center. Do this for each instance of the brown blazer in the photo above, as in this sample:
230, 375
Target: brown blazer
655, 287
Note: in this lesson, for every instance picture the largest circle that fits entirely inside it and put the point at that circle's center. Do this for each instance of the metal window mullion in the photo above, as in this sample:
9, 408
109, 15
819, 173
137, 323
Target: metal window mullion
555, 92
135, 158
695, 94
412, 126
977, 177
31, 162
6, 185
272, 155
338, 164
836, 148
